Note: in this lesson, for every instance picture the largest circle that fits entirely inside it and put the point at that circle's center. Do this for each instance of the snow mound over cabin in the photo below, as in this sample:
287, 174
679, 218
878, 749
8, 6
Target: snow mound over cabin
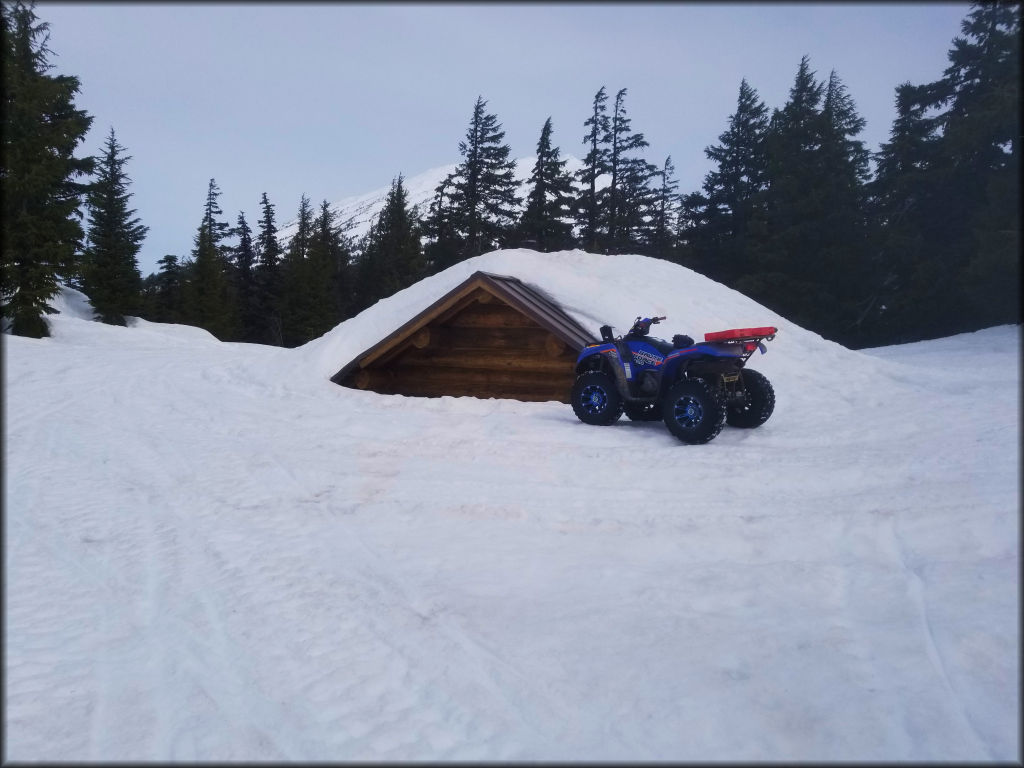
600, 289
594, 289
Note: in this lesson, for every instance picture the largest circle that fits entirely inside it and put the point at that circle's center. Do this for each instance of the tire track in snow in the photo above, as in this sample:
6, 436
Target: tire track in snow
916, 591
435, 635
208, 677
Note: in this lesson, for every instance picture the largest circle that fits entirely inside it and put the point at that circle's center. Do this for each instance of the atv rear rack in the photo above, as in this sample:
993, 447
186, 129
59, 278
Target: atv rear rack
749, 338
743, 334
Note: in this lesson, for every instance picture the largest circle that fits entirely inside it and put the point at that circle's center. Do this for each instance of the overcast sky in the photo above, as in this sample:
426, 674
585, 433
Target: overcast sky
331, 100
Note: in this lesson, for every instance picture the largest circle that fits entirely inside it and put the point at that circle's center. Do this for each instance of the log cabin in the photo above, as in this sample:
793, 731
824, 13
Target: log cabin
490, 336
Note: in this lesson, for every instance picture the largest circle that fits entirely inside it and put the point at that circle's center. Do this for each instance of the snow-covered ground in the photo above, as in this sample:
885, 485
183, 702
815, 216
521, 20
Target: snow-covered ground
213, 553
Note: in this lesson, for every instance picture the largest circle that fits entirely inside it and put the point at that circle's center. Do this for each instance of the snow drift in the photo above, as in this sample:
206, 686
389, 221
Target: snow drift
214, 553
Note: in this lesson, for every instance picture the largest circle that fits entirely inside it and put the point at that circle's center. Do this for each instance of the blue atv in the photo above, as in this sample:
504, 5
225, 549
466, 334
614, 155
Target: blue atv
694, 387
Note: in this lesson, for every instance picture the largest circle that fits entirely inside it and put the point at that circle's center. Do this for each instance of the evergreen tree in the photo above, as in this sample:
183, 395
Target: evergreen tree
484, 197
41, 231
298, 245
169, 284
637, 208
843, 263
148, 293
296, 299
392, 257
269, 284
325, 275
786, 228
243, 258
792, 143
662, 229
111, 277
625, 198
208, 300
734, 187
342, 253
595, 165
902, 203
691, 241
545, 222
809, 259
444, 242
979, 95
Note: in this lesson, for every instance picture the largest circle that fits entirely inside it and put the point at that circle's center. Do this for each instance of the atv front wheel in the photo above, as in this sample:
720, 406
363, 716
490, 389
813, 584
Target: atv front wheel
693, 411
595, 400
757, 404
643, 411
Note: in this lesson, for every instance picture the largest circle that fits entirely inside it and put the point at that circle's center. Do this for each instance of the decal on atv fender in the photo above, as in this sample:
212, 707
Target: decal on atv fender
643, 357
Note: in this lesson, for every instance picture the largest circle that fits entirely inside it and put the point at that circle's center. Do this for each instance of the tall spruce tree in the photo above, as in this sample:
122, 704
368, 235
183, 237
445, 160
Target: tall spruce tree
41, 232
843, 259
692, 227
661, 239
243, 262
208, 300
546, 221
325, 274
295, 302
595, 165
484, 198
269, 280
783, 260
733, 188
626, 199
979, 101
165, 289
638, 210
110, 270
444, 242
392, 256
810, 256
905, 206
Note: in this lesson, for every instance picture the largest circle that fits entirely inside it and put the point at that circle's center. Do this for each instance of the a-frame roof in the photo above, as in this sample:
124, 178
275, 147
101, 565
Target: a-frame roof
523, 297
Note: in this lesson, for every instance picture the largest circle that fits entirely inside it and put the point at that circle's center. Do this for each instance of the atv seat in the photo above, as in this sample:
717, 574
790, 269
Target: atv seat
661, 345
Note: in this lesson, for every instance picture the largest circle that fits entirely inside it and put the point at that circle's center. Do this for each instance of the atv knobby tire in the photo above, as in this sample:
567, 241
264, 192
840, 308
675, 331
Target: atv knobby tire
693, 411
642, 411
757, 404
595, 400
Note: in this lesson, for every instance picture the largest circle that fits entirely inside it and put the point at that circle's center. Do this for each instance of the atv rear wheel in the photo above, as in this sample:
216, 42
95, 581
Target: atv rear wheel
693, 411
595, 400
642, 411
757, 404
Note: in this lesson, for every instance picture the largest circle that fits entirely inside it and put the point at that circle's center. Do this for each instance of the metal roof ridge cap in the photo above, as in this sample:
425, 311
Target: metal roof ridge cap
542, 296
563, 329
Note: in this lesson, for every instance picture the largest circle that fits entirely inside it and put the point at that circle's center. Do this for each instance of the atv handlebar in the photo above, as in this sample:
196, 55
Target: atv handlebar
642, 325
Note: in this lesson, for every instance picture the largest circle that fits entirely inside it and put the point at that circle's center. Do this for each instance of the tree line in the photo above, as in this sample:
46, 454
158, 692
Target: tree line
917, 240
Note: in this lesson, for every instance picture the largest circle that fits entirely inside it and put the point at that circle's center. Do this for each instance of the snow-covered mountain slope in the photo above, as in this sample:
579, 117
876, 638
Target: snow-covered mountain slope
213, 553
361, 210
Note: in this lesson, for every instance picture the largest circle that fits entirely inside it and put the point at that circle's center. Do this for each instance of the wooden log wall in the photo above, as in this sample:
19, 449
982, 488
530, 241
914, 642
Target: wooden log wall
483, 349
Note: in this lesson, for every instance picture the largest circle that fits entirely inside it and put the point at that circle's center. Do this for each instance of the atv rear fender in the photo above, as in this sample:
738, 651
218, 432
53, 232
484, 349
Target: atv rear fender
721, 352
